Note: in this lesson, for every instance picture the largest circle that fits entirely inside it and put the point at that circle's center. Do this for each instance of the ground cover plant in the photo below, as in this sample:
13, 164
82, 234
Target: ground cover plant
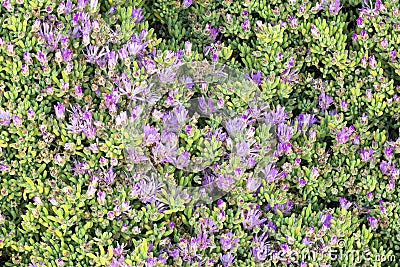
199, 133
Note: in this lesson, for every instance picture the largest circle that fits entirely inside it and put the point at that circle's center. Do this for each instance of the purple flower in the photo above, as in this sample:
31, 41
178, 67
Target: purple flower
271, 173
91, 191
37, 264
391, 185
284, 208
52, 39
235, 126
119, 251
5, 117
384, 43
324, 101
81, 5
305, 121
213, 33
277, 116
285, 132
388, 152
243, 148
334, 7
343, 135
59, 110
53, 201
252, 218
252, 184
37, 200
206, 107
149, 65
182, 161
314, 31
188, 48
373, 222
261, 247
326, 219
208, 225
17, 120
393, 54
101, 197
344, 203
112, 59
7, 5
137, 15
228, 241
292, 21
372, 62
27, 58
364, 61
388, 169
225, 182
302, 183
187, 3
246, 25
109, 176
66, 54
366, 154
360, 22
354, 37
363, 36
151, 135
93, 5
227, 259
257, 77
41, 57
147, 189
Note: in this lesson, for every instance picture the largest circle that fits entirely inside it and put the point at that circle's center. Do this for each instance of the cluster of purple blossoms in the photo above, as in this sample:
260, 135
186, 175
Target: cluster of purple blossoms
103, 56
271, 173
146, 189
82, 122
228, 241
80, 167
108, 176
261, 247
189, 250
276, 118
187, 3
305, 121
366, 154
118, 258
227, 259
289, 74
342, 136
389, 168
112, 100
371, 10
51, 38
284, 208
344, 203
256, 77
137, 15
333, 6
373, 222
5, 117
252, 217
37, 264
324, 101
59, 110
326, 220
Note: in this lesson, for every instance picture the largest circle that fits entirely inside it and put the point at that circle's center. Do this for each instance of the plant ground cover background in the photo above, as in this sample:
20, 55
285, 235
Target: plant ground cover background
328, 71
